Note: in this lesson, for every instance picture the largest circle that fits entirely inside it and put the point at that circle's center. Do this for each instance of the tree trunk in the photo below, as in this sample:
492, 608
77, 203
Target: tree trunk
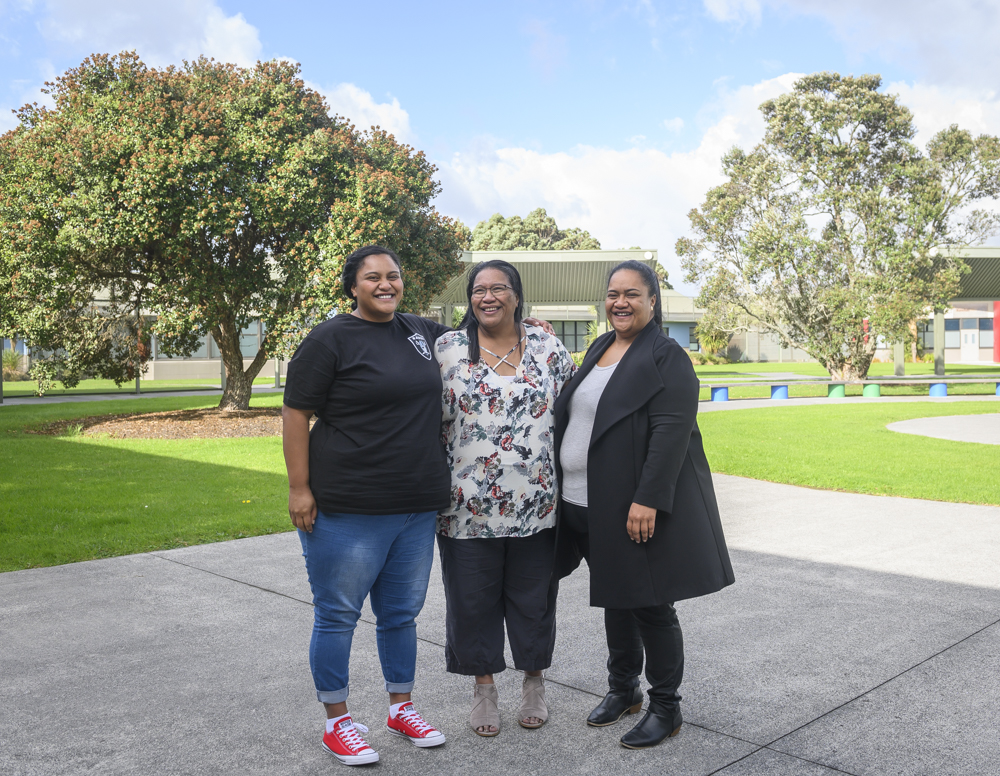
849, 374
239, 382
854, 367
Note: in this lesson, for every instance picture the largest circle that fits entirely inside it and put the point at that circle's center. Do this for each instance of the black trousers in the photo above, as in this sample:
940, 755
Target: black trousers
652, 632
490, 582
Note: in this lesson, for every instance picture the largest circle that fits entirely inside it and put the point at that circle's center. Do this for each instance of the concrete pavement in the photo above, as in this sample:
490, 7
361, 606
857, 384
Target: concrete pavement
862, 637
981, 429
754, 404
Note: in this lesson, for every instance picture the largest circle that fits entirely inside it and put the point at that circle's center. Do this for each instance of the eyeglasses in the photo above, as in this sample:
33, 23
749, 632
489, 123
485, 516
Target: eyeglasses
498, 291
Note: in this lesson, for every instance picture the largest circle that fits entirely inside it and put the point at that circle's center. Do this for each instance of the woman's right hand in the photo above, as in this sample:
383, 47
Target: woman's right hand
302, 508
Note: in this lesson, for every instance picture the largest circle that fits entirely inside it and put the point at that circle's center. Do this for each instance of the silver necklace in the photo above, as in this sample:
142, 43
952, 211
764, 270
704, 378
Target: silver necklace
503, 359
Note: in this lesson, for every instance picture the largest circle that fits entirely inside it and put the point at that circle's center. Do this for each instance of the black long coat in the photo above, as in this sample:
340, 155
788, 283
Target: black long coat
646, 448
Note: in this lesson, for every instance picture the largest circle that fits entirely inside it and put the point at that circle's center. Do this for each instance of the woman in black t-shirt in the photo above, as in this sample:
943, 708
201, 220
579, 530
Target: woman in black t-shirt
365, 487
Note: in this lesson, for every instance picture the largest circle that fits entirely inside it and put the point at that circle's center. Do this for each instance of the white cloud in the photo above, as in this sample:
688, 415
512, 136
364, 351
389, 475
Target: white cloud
29, 91
945, 42
935, 108
734, 10
638, 196
161, 33
361, 109
674, 124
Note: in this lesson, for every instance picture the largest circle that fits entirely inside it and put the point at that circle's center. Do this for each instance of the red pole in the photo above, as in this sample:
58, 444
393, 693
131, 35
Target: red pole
996, 332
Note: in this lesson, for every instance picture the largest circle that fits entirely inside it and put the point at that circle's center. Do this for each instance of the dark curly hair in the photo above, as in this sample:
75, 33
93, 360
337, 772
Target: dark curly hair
470, 323
649, 280
353, 263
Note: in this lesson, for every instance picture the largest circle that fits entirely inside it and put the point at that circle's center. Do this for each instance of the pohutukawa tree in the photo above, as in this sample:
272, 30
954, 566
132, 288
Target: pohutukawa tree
210, 195
830, 232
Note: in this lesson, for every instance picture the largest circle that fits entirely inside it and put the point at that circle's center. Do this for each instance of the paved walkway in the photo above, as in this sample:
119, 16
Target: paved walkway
747, 404
862, 637
984, 429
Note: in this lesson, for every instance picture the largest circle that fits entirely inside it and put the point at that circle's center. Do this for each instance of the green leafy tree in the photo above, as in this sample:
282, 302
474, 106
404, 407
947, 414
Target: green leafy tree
536, 232
210, 195
828, 232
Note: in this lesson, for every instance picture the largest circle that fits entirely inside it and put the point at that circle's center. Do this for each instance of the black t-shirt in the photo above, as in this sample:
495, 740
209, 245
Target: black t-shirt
376, 388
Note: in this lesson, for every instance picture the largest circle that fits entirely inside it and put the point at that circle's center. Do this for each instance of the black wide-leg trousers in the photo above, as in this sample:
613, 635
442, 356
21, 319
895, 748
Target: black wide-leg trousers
489, 583
652, 632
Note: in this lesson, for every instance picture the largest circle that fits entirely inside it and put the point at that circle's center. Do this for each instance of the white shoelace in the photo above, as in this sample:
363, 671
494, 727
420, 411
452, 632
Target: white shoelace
351, 738
414, 720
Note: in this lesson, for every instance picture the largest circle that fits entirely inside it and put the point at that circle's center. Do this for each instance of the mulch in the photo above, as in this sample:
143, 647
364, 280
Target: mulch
178, 424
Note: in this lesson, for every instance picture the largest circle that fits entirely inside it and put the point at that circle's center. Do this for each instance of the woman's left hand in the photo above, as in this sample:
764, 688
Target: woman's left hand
641, 521
539, 322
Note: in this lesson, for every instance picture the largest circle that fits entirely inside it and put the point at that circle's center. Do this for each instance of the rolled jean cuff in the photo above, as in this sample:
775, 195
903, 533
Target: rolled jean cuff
398, 687
334, 696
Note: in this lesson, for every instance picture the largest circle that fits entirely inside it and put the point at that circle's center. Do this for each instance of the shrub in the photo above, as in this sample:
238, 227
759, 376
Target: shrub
701, 358
13, 366
12, 361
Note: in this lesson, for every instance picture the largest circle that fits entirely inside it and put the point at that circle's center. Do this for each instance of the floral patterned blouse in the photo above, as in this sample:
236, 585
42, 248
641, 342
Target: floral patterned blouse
498, 436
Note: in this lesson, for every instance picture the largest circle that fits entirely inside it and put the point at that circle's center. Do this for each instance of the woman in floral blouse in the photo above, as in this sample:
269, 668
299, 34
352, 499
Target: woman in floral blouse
497, 539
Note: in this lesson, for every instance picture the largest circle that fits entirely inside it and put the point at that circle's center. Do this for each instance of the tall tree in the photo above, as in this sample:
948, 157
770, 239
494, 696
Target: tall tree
211, 195
828, 233
535, 232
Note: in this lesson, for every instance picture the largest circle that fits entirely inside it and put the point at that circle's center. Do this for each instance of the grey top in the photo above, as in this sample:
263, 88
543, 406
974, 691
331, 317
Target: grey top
576, 440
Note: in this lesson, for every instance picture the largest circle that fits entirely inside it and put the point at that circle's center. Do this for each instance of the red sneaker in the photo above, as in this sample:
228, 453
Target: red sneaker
409, 724
346, 744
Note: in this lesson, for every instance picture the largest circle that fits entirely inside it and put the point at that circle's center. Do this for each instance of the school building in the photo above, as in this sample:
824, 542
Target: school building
567, 288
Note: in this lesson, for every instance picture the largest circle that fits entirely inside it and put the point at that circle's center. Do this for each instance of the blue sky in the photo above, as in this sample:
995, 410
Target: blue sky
612, 115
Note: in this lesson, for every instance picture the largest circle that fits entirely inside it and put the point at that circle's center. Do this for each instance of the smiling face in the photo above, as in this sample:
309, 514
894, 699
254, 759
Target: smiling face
378, 288
629, 305
494, 309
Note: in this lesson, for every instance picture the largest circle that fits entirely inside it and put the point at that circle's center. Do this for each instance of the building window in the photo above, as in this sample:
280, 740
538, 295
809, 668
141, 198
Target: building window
952, 335
249, 341
693, 338
925, 335
986, 333
20, 346
572, 334
201, 352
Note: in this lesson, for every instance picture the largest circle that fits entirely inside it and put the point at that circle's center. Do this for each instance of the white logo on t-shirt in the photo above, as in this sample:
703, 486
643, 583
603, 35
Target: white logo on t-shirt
421, 345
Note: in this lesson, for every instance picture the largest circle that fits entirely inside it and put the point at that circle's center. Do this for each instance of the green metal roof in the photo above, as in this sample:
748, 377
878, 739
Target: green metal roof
551, 277
982, 284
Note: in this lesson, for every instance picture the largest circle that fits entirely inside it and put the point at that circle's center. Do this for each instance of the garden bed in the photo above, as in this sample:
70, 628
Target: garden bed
210, 423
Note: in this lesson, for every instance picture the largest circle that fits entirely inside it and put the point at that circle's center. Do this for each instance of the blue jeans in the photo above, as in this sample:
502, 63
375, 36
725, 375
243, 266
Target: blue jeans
349, 557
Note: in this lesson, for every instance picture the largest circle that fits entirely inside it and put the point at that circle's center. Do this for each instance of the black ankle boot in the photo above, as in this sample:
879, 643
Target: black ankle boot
660, 722
616, 704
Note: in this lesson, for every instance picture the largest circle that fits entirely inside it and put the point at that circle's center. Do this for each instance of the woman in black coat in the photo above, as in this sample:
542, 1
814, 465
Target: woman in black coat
637, 501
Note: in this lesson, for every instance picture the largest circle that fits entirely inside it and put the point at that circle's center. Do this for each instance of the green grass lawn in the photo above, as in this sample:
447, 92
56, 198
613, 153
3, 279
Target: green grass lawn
719, 372
72, 498
845, 447
65, 499
27, 387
